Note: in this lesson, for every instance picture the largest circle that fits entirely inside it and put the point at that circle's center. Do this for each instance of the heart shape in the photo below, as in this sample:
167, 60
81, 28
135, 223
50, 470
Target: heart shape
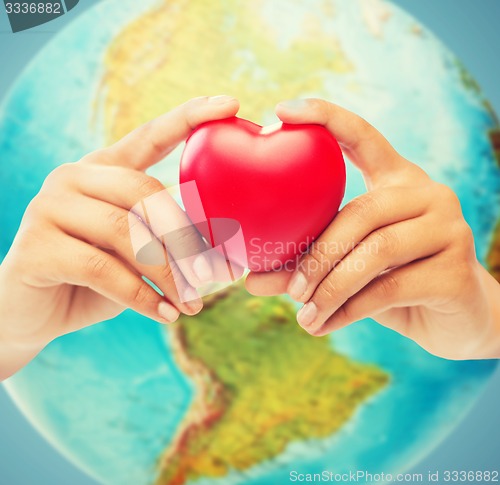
283, 184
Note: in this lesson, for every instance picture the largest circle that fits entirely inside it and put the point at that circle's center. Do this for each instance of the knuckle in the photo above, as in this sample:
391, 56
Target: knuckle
166, 273
29, 236
148, 132
39, 206
413, 173
345, 313
141, 294
118, 220
147, 185
101, 156
62, 173
45, 207
448, 199
349, 312
184, 242
98, 266
364, 207
463, 233
463, 240
190, 113
385, 241
65, 169
327, 293
317, 260
388, 286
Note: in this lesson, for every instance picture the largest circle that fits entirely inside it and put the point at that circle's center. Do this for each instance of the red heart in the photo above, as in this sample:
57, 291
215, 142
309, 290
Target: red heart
283, 184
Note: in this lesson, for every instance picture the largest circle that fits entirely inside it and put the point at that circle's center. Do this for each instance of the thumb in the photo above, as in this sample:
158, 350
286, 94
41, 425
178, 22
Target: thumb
364, 145
151, 142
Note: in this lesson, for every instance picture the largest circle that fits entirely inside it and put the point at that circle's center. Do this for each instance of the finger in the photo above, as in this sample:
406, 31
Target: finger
84, 265
109, 227
365, 146
394, 291
354, 223
147, 198
268, 284
151, 142
389, 247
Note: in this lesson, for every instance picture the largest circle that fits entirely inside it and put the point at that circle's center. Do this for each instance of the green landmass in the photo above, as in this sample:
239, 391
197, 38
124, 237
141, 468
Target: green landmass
262, 383
495, 143
466, 78
494, 253
493, 258
167, 55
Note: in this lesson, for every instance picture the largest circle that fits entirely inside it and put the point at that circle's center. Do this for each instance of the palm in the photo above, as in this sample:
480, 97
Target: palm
86, 307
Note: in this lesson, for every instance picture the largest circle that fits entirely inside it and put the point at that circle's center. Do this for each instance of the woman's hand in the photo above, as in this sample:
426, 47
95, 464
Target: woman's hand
402, 253
72, 263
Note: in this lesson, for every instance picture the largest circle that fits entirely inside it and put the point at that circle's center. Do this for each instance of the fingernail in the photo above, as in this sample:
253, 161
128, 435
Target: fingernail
168, 312
307, 314
202, 269
195, 306
297, 286
294, 104
221, 99
191, 299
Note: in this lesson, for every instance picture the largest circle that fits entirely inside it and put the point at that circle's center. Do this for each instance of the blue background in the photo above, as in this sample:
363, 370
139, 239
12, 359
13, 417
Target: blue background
467, 27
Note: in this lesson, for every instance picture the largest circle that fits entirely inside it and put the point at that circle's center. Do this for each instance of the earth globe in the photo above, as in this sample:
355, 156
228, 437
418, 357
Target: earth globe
239, 393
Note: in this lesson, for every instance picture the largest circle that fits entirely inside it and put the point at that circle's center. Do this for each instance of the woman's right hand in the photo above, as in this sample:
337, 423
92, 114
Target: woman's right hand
72, 263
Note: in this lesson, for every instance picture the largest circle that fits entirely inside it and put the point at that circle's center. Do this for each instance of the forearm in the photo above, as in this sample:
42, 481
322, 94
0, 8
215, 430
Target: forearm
14, 352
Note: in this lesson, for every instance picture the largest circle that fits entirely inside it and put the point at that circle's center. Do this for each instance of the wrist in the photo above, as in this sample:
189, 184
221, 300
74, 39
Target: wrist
18, 345
14, 358
490, 348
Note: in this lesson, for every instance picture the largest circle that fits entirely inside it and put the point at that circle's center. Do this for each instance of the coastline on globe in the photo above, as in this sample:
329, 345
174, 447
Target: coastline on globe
277, 385
239, 393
